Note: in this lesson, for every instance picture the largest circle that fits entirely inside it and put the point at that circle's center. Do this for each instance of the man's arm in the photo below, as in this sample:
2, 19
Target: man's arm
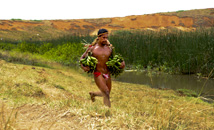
86, 52
85, 68
122, 66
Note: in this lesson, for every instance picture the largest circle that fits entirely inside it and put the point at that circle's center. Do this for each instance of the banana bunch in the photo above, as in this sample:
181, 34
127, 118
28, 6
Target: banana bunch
114, 64
89, 61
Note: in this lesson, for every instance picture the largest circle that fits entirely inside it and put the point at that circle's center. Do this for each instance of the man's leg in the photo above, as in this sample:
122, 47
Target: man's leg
105, 92
108, 83
94, 94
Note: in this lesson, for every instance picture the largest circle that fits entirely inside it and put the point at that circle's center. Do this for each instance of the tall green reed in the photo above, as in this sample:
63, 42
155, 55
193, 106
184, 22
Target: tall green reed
178, 51
182, 52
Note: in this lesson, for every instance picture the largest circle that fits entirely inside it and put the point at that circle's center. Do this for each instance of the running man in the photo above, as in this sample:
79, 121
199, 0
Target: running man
101, 50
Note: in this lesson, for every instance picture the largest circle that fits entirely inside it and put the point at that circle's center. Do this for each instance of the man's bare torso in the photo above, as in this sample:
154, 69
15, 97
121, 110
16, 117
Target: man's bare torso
102, 54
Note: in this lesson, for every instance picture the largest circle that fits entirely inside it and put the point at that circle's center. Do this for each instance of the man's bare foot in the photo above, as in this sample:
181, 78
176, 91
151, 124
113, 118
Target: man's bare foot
92, 96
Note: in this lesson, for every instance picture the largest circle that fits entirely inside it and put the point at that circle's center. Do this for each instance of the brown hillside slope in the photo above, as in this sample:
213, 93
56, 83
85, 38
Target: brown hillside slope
185, 20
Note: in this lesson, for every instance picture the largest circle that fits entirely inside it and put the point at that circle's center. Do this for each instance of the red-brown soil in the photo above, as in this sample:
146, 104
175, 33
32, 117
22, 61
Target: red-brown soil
185, 20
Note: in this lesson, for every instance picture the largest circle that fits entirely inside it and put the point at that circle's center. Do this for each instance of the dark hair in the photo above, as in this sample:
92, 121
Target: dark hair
102, 31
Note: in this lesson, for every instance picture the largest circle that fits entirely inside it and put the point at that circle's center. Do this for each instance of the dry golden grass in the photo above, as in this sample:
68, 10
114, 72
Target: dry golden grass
57, 98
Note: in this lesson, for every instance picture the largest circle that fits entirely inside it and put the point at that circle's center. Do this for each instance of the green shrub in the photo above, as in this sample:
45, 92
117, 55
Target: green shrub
68, 53
27, 47
7, 46
45, 47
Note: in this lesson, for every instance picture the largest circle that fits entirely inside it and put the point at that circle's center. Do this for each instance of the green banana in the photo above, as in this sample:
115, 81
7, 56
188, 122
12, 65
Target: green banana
89, 61
114, 64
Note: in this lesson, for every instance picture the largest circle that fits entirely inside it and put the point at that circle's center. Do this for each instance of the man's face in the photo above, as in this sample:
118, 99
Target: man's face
103, 39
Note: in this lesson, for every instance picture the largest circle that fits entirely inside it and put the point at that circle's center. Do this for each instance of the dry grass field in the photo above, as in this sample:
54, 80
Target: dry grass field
56, 97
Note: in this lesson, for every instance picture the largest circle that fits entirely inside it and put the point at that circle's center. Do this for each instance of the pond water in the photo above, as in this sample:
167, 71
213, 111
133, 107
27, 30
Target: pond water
168, 81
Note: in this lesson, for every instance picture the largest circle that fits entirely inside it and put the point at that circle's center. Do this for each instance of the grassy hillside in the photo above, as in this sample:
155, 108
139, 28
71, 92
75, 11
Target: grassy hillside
188, 20
56, 97
197, 13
